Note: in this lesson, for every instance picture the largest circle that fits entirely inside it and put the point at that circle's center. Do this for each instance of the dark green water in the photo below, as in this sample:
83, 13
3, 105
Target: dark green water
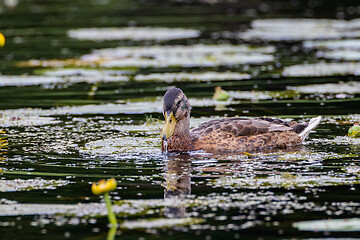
60, 136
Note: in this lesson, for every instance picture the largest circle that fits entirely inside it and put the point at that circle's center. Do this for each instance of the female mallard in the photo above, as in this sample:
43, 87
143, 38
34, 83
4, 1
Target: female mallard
227, 134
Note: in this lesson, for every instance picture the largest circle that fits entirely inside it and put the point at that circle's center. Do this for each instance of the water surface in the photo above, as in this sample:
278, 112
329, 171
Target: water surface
78, 106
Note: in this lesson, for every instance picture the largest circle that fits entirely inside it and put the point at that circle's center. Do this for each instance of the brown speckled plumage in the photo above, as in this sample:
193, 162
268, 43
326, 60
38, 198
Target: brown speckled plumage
228, 134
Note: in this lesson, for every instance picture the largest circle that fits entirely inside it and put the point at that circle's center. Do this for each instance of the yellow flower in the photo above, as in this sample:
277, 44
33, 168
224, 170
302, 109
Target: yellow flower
2, 40
103, 186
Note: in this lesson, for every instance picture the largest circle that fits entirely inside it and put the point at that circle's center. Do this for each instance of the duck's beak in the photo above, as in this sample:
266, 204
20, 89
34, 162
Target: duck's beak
169, 126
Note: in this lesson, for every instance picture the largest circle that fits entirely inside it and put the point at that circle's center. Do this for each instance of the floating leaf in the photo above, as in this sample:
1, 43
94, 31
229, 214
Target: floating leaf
183, 76
300, 29
159, 223
29, 184
341, 87
132, 33
322, 69
330, 225
283, 181
348, 55
350, 44
123, 145
165, 56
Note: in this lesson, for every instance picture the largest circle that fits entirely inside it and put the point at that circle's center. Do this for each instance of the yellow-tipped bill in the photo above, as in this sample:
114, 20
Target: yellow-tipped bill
169, 126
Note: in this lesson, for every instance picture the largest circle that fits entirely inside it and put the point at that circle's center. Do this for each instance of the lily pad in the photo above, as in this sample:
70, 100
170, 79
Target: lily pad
21, 81
330, 225
165, 56
29, 184
338, 140
21, 120
348, 55
130, 107
341, 87
299, 29
132, 33
123, 145
159, 223
28, 80
322, 69
183, 76
350, 44
279, 181
252, 95
69, 72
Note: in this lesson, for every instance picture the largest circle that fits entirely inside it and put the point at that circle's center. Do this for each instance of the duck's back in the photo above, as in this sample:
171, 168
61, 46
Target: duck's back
241, 134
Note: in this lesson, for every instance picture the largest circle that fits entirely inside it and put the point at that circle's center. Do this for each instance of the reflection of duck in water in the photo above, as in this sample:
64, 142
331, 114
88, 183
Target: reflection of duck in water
227, 134
177, 183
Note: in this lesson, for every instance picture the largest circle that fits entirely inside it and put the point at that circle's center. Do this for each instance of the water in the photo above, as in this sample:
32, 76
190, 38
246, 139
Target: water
80, 106
165, 145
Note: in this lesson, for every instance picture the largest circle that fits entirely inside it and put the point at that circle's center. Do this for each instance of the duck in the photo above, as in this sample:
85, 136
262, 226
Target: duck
232, 134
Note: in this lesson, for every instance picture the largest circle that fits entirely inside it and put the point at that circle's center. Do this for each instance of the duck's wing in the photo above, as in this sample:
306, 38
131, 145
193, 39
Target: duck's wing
295, 126
235, 127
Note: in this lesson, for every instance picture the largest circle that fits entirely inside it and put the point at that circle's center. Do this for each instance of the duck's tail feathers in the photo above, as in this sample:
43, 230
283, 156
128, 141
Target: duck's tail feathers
312, 124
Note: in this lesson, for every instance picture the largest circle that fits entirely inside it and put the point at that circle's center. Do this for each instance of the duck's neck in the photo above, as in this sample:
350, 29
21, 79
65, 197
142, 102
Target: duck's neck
183, 128
181, 140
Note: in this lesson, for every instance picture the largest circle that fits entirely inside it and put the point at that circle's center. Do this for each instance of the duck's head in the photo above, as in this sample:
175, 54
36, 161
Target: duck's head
176, 110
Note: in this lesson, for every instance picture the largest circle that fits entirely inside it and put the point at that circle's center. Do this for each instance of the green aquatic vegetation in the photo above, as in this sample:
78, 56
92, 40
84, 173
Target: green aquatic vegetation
220, 94
284, 94
288, 176
354, 131
150, 121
